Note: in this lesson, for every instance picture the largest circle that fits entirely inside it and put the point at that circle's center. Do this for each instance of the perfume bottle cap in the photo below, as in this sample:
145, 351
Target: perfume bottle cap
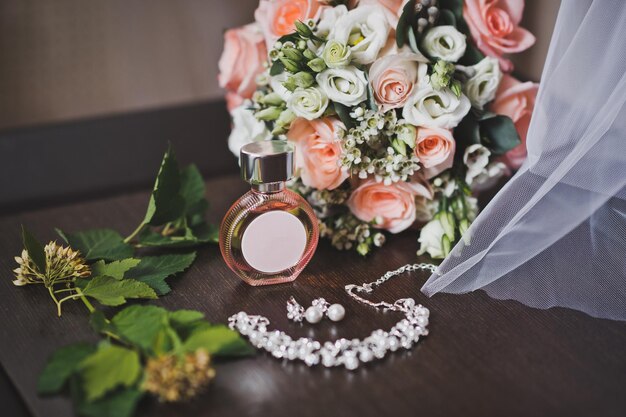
267, 161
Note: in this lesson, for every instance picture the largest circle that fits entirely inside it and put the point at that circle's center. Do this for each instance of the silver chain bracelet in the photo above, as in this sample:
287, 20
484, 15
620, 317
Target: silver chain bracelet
343, 352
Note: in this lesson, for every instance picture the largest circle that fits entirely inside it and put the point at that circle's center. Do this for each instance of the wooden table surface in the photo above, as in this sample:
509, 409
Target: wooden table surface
483, 357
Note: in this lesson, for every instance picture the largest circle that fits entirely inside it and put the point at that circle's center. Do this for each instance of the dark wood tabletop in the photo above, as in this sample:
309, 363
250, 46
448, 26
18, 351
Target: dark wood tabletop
483, 357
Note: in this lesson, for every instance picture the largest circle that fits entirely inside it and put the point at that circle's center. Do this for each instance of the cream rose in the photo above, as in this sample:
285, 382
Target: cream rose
240, 63
483, 83
309, 103
391, 207
444, 42
318, 149
516, 100
435, 108
391, 8
436, 237
277, 17
494, 27
246, 129
347, 85
328, 19
393, 78
434, 147
336, 54
365, 30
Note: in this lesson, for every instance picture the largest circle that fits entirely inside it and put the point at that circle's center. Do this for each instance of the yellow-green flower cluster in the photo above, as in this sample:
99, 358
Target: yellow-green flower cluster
63, 264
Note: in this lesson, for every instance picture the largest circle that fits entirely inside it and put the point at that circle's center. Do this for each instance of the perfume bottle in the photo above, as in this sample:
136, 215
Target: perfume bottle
270, 234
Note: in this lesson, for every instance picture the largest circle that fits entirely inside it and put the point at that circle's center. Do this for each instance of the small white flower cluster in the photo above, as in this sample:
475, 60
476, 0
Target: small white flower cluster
345, 231
367, 150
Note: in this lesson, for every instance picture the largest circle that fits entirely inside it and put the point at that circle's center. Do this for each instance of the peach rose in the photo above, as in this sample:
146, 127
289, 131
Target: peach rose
391, 207
317, 151
278, 17
240, 63
393, 78
516, 100
434, 147
494, 27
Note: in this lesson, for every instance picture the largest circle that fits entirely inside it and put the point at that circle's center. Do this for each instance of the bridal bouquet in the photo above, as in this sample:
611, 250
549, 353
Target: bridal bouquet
400, 111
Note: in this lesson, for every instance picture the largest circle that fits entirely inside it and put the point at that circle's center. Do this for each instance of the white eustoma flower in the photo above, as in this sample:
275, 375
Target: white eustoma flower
365, 29
444, 42
329, 18
347, 85
430, 239
246, 129
428, 107
276, 82
475, 158
309, 103
484, 81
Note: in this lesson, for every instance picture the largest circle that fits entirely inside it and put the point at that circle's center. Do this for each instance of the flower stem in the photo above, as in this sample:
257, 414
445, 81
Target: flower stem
130, 237
85, 301
54, 298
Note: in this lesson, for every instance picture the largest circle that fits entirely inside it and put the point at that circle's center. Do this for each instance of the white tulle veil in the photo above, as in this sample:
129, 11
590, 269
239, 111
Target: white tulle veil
555, 235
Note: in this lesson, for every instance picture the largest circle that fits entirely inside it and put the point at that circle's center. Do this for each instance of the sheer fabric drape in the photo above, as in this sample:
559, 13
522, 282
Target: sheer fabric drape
555, 235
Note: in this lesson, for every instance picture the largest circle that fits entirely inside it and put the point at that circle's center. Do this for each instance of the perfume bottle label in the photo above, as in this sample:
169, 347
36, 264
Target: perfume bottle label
273, 242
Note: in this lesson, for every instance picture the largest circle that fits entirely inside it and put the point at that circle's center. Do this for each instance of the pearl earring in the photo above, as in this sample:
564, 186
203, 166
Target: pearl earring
314, 314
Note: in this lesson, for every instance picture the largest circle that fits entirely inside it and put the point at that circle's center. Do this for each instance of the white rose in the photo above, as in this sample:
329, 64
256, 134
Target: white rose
276, 82
347, 85
309, 103
365, 29
246, 129
485, 78
444, 42
431, 239
428, 107
475, 158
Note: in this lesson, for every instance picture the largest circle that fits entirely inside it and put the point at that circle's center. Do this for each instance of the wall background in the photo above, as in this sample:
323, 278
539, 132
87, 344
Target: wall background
70, 59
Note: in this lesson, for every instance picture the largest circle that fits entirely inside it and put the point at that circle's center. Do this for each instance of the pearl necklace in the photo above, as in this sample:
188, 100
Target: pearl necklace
343, 352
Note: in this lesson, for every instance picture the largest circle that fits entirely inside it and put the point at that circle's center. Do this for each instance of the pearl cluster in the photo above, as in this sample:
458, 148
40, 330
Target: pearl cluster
342, 352
314, 314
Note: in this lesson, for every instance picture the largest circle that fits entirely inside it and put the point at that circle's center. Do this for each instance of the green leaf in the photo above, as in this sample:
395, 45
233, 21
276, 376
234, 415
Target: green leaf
192, 189
153, 270
166, 203
118, 404
107, 368
100, 324
447, 17
344, 114
404, 23
35, 250
498, 134
185, 316
202, 233
140, 325
371, 100
112, 292
218, 340
97, 244
61, 365
277, 68
115, 269
413, 42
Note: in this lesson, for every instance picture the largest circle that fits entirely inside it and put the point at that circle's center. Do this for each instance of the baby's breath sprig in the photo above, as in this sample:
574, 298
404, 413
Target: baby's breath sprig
377, 147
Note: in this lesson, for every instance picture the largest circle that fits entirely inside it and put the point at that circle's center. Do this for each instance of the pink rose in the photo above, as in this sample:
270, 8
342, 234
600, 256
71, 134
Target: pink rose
278, 17
392, 207
434, 147
494, 27
516, 100
240, 63
318, 149
393, 78
392, 9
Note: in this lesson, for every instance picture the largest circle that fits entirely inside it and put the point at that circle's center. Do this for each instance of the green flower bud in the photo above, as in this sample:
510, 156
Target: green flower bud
456, 88
407, 133
446, 245
317, 65
463, 226
290, 65
271, 99
308, 54
283, 122
290, 84
268, 114
301, 45
303, 79
399, 146
363, 249
336, 54
293, 54
448, 223
303, 29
